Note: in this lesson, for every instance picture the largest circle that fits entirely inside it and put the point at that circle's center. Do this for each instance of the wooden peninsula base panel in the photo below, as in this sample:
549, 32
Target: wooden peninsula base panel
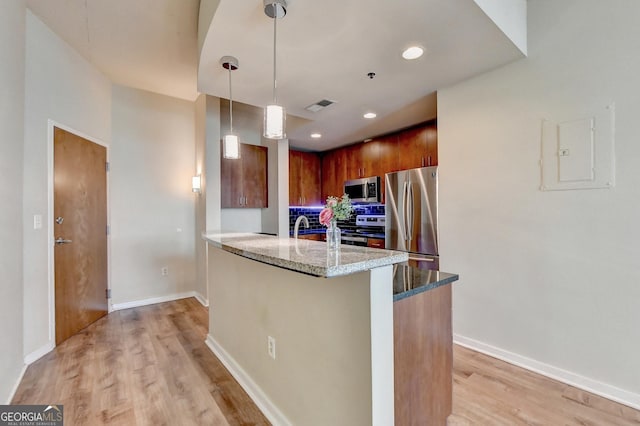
423, 358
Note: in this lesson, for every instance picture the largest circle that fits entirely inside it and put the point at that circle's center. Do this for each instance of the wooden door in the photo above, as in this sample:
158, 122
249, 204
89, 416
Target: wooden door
295, 196
431, 150
254, 176
369, 157
334, 173
230, 181
80, 228
353, 158
387, 160
412, 145
309, 179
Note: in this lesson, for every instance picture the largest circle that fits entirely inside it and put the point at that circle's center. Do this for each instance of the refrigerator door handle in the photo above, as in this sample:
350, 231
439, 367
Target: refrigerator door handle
403, 209
410, 212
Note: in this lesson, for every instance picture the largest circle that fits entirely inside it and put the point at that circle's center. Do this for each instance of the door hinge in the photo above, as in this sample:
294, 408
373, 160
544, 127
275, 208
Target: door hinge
107, 166
108, 293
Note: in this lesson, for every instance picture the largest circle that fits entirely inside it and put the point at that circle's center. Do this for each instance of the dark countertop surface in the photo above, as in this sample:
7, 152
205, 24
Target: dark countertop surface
409, 281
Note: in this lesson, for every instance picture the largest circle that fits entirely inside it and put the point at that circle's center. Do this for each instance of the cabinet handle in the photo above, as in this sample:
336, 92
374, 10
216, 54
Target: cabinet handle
422, 162
429, 160
240, 200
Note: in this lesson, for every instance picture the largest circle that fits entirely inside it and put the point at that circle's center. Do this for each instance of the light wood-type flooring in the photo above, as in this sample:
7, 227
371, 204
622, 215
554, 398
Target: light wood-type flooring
150, 366
140, 366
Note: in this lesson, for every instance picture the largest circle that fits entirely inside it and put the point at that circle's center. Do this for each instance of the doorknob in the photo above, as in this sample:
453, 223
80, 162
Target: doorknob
59, 220
61, 240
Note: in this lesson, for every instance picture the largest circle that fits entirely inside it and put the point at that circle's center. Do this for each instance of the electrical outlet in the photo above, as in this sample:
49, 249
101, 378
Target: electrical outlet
271, 347
164, 271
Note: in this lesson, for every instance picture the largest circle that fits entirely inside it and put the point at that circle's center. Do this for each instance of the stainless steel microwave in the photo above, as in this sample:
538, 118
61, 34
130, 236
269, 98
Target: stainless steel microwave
365, 190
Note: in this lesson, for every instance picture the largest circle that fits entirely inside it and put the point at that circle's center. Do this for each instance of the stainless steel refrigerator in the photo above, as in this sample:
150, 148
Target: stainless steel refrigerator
411, 210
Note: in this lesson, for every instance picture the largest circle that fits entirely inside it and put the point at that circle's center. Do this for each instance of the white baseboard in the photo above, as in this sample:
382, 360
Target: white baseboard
160, 299
38, 353
203, 301
15, 387
268, 408
602, 389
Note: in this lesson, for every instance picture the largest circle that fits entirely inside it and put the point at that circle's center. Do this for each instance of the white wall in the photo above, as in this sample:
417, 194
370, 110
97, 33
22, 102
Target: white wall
62, 86
12, 40
152, 205
547, 278
201, 199
212, 164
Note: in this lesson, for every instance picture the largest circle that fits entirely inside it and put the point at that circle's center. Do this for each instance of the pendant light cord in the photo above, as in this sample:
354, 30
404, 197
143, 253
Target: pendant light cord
275, 19
230, 103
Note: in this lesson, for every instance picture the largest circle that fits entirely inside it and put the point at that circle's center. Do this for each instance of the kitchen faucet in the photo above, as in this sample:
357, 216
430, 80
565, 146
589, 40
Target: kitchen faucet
301, 218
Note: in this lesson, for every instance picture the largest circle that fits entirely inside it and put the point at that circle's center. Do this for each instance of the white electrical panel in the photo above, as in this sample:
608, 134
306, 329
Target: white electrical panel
578, 153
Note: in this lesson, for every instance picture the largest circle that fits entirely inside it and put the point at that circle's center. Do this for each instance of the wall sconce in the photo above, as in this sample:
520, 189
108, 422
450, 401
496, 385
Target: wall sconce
196, 184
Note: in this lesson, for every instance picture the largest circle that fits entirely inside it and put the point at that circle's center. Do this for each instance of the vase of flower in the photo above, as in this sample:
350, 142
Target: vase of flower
335, 209
333, 236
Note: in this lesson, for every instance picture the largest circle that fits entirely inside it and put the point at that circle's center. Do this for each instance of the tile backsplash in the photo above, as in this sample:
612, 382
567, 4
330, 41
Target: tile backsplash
313, 213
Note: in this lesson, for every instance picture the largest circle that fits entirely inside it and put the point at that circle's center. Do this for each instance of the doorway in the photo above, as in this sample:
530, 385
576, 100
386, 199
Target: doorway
80, 232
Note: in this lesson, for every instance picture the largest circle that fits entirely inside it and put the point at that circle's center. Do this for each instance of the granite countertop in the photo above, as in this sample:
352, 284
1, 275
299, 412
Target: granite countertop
305, 256
409, 280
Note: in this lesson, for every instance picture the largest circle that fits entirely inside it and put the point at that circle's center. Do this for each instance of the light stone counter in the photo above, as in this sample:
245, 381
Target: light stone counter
305, 256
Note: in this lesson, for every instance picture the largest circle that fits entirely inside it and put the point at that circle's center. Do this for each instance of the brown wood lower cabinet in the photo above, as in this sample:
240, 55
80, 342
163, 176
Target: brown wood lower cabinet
423, 358
375, 242
314, 237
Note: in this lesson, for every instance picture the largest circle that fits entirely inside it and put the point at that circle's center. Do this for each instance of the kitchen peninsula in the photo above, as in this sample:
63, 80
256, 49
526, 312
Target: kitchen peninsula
308, 333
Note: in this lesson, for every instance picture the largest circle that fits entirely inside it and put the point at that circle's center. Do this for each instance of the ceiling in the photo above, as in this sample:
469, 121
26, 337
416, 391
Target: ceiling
325, 50
146, 44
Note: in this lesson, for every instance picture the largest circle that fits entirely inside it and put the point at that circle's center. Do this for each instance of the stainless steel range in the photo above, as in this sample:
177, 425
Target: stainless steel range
367, 226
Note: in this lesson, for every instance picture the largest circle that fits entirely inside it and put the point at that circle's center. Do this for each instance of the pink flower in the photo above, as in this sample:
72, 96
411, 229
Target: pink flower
325, 216
332, 202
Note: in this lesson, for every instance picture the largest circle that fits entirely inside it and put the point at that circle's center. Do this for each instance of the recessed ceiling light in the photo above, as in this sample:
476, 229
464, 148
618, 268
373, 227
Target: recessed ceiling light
413, 52
370, 115
316, 135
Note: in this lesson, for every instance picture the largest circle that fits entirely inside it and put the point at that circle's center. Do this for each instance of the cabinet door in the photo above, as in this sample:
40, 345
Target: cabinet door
254, 176
412, 146
375, 242
369, 159
387, 160
334, 173
309, 178
431, 149
295, 195
353, 158
230, 182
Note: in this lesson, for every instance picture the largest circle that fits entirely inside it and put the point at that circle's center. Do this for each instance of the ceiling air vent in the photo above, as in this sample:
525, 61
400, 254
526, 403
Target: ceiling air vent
319, 105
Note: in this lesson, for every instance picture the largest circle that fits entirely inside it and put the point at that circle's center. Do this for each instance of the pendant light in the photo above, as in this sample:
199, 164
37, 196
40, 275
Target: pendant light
274, 114
230, 142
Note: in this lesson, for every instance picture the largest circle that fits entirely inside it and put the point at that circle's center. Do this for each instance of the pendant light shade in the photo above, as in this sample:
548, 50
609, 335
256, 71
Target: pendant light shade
274, 114
231, 146
230, 141
274, 122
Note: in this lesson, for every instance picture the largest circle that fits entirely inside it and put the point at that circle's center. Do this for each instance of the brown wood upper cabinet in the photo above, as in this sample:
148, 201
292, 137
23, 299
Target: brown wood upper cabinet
418, 147
304, 179
334, 172
407, 149
244, 181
